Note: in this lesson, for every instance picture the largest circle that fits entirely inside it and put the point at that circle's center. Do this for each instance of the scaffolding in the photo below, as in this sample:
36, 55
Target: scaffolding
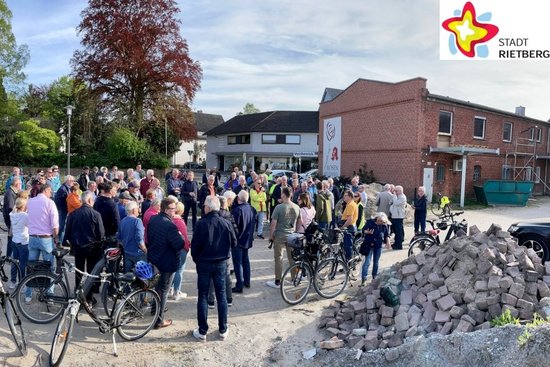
521, 163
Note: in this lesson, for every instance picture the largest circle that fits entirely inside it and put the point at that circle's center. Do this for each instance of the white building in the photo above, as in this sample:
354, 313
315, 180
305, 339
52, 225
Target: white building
275, 140
195, 150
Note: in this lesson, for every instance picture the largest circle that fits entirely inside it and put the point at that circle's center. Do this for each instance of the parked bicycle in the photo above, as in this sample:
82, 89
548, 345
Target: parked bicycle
424, 240
7, 304
10, 267
134, 316
43, 294
334, 273
297, 278
441, 206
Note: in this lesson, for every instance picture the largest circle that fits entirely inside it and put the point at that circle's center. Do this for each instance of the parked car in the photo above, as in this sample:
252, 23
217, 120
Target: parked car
279, 172
308, 174
533, 234
193, 165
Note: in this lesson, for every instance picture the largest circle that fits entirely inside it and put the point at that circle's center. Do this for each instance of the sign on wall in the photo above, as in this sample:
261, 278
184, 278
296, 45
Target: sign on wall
332, 144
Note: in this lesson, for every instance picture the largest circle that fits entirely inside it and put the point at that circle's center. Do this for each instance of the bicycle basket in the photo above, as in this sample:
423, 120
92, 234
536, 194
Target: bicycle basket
297, 254
295, 240
39, 266
331, 236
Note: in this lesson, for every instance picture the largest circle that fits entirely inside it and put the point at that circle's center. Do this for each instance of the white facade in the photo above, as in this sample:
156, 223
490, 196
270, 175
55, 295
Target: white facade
260, 155
188, 149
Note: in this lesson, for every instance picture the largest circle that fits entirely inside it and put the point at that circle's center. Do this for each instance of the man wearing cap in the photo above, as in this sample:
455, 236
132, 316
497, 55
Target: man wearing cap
123, 199
133, 190
84, 177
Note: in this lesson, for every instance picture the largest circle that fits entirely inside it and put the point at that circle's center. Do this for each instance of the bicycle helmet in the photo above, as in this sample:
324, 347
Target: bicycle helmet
143, 270
113, 254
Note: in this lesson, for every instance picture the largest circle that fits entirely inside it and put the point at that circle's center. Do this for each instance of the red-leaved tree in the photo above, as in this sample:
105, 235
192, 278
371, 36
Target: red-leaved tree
135, 56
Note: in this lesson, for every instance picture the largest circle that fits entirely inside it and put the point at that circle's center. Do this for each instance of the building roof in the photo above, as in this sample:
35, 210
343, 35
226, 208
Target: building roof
330, 93
206, 121
480, 107
274, 122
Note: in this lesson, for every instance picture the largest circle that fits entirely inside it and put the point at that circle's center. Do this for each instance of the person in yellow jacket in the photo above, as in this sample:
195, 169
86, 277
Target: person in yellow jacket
258, 200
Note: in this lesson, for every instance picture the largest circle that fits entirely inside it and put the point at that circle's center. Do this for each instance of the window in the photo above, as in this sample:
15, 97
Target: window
238, 139
535, 133
506, 172
269, 139
528, 176
507, 132
477, 173
280, 139
440, 173
479, 127
537, 174
293, 139
445, 123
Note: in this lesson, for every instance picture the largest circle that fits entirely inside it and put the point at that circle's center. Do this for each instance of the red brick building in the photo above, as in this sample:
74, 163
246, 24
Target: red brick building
411, 137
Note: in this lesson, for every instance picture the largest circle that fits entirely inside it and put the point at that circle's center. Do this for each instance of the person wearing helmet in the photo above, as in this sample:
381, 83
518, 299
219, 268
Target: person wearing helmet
164, 247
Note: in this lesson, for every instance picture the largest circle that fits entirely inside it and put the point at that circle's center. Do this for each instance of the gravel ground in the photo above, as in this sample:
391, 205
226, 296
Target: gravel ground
264, 331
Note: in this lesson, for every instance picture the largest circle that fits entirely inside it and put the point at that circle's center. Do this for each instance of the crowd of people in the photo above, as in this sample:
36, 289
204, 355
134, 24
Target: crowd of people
150, 222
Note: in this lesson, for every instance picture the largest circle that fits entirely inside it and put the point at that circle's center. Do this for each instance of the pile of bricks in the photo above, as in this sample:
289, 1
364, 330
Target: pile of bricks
459, 286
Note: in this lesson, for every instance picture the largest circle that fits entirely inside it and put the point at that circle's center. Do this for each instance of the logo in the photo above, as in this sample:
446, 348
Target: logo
470, 32
331, 131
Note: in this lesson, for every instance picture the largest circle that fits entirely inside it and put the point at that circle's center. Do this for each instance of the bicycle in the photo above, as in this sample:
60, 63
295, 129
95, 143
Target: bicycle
333, 273
429, 238
6, 265
12, 318
297, 278
133, 318
43, 294
442, 206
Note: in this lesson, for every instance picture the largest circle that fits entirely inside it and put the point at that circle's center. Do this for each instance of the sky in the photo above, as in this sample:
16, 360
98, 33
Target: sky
282, 54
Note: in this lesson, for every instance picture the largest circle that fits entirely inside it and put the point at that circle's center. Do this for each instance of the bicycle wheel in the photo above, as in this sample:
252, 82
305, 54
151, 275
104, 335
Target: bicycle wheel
331, 277
41, 298
296, 282
137, 314
14, 323
62, 337
5, 271
420, 244
436, 209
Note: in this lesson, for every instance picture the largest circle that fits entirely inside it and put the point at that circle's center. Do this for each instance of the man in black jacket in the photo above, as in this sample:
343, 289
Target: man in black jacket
189, 195
84, 226
213, 237
164, 247
106, 206
61, 202
245, 218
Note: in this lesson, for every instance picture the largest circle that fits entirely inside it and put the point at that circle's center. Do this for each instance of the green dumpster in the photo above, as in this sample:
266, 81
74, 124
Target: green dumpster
502, 192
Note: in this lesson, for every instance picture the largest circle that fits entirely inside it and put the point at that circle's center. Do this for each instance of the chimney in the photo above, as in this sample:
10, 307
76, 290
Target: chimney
520, 111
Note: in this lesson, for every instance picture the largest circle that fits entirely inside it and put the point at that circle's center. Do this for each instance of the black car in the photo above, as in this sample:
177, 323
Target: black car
533, 234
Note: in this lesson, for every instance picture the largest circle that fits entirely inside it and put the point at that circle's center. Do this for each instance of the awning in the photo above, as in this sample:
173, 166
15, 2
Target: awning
464, 150
269, 154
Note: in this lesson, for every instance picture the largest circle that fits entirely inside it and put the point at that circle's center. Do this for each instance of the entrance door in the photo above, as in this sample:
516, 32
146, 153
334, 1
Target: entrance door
221, 163
428, 183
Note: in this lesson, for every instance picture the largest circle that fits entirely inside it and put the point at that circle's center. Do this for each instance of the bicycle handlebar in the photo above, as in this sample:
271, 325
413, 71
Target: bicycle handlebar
72, 268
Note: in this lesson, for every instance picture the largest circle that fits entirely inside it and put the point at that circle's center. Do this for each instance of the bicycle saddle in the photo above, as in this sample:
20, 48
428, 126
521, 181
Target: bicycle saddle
126, 277
59, 252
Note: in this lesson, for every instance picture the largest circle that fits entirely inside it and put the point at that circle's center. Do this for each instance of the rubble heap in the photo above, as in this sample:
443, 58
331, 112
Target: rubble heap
459, 286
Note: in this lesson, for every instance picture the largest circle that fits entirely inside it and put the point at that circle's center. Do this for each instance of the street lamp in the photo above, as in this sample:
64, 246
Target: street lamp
69, 109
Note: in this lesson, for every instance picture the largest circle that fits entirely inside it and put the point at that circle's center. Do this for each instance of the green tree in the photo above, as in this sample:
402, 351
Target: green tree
124, 148
34, 140
13, 57
248, 109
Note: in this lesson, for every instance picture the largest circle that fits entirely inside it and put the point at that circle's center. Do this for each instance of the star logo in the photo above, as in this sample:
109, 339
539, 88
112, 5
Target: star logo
468, 31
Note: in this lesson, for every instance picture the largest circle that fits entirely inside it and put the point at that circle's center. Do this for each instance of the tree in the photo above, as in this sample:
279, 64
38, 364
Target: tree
34, 140
13, 58
248, 109
134, 55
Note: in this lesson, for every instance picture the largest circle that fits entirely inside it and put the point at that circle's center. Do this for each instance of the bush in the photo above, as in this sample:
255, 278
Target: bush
505, 318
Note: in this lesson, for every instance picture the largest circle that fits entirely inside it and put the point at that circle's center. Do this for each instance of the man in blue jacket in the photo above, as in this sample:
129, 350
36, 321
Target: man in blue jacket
245, 218
213, 238
164, 247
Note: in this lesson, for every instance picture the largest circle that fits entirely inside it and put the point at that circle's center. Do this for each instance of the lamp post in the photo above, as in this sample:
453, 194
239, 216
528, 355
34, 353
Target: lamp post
69, 109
